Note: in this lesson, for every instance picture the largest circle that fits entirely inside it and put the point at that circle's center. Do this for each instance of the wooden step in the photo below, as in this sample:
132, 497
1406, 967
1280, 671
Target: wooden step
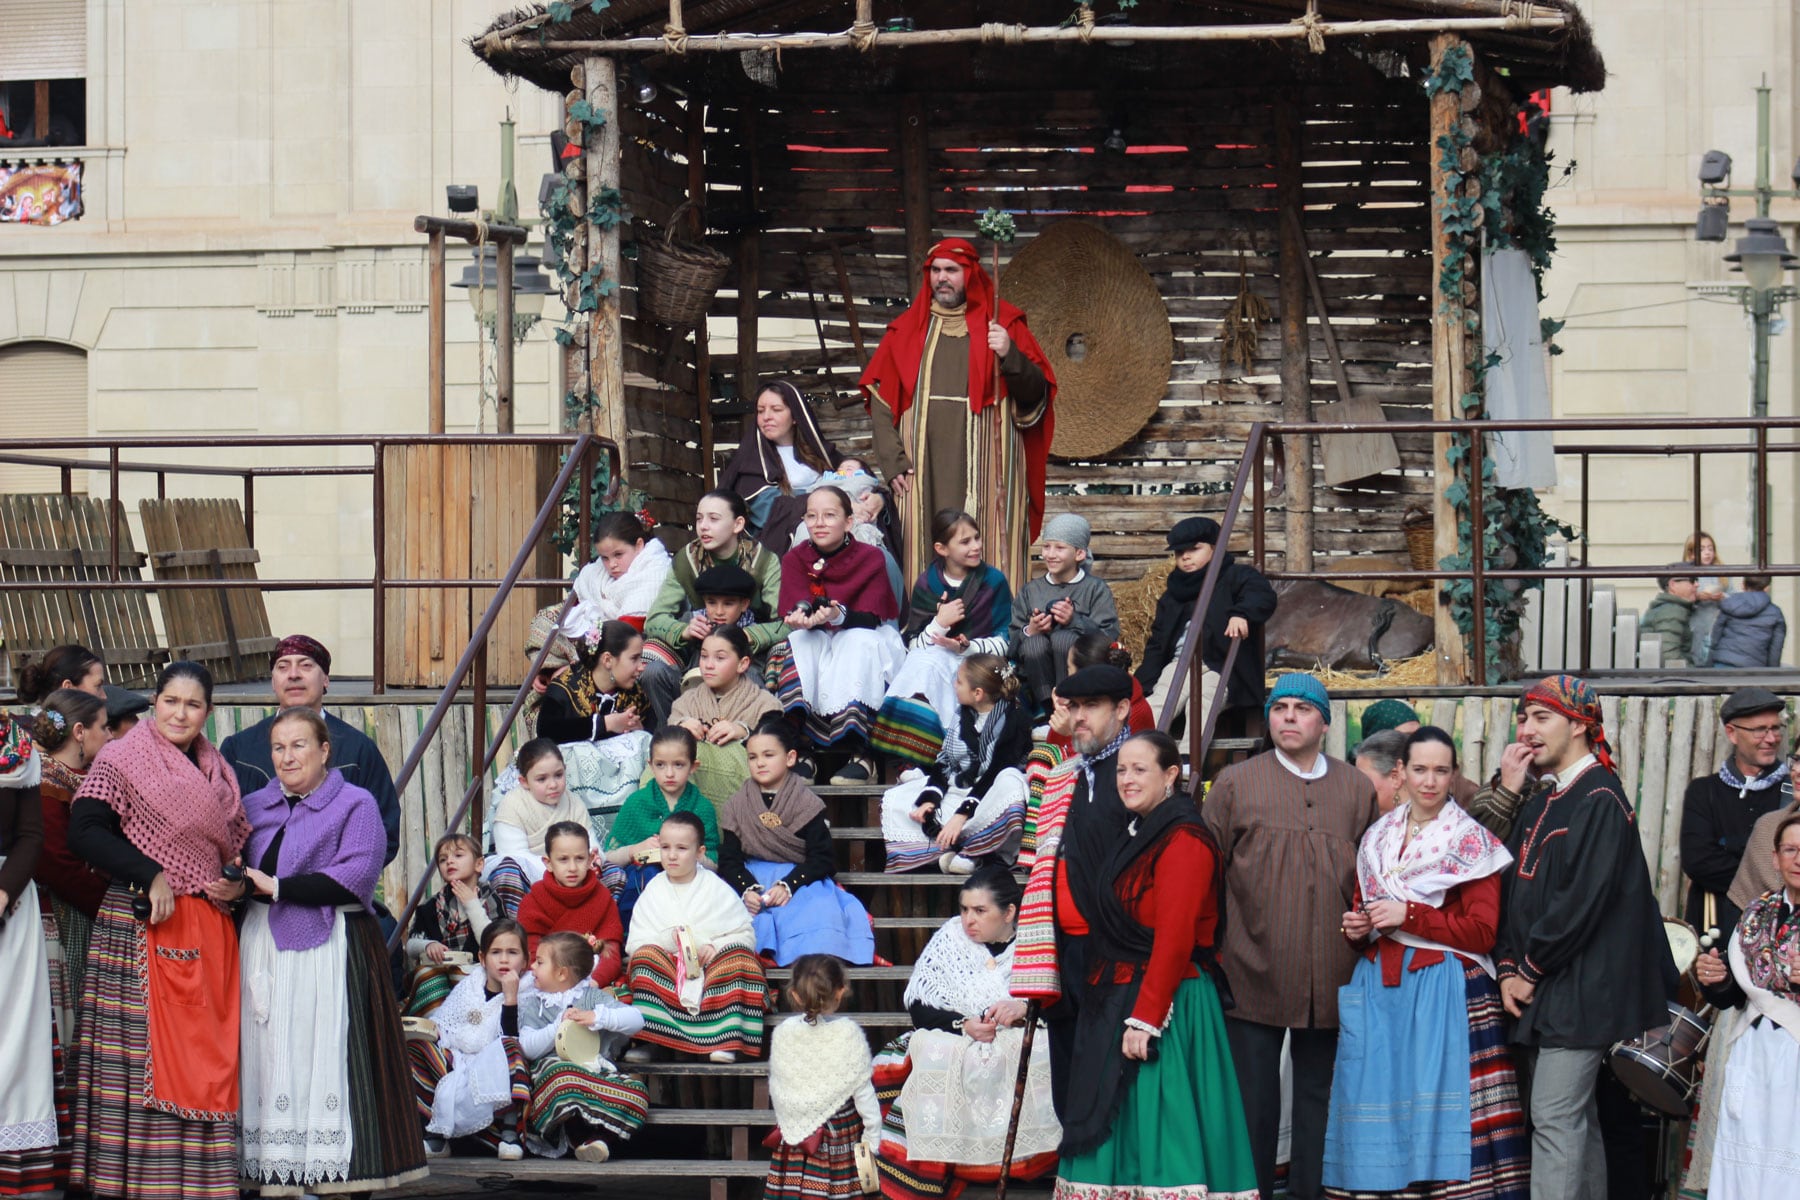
700, 1067
712, 1116
868, 1020
485, 1168
863, 974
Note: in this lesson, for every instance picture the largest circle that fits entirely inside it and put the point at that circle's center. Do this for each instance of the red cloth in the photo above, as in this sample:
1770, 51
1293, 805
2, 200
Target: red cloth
1469, 920
1139, 720
587, 909
1180, 906
854, 576
191, 982
894, 371
71, 880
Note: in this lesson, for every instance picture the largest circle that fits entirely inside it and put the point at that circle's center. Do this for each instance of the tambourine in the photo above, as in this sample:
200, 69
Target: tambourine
419, 1029
577, 1043
866, 1173
688, 946
458, 958
648, 858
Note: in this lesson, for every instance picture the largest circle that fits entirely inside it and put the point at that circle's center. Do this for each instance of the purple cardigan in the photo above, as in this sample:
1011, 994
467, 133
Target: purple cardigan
336, 831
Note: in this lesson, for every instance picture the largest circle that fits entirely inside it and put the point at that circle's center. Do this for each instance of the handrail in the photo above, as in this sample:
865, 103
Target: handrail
1201, 726
476, 650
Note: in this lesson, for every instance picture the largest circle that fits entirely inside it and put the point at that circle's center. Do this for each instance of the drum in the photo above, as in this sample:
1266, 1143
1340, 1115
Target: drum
866, 1174
1684, 943
419, 1029
577, 1043
1659, 1067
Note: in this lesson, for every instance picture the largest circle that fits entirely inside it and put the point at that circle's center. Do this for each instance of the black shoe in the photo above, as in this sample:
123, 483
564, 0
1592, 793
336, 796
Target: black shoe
859, 768
805, 767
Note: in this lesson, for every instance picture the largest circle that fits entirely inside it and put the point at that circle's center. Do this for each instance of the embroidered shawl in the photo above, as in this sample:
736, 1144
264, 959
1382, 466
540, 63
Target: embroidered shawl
854, 575
706, 904
15, 747
958, 974
1769, 943
778, 840
186, 815
1452, 850
813, 1069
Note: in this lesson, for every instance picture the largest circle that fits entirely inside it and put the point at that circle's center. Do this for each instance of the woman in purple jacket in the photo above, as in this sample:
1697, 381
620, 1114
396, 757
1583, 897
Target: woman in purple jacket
327, 1098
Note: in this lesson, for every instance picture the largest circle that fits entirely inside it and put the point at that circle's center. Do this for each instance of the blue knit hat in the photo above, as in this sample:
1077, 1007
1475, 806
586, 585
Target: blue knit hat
1300, 687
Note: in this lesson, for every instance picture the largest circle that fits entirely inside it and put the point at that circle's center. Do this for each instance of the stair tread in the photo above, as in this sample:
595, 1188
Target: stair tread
483, 1167
877, 1020
899, 974
746, 1068
711, 1116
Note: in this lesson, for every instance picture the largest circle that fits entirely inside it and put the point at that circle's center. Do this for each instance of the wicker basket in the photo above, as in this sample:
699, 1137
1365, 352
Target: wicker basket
1421, 542
677, 283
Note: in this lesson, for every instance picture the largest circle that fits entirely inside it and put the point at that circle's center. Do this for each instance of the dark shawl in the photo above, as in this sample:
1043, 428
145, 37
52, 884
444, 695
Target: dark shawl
853, 575
756, 467
986, 597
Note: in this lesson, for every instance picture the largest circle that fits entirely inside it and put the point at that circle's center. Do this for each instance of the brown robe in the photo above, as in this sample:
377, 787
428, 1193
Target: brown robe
1757, 873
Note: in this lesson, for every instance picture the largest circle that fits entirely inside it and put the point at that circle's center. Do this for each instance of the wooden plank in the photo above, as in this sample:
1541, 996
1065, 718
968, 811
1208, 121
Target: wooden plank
1448, 368
1667, 863
1600, 629
1652, 794
1475, 736
1631, 747
1502, 728
1625, 640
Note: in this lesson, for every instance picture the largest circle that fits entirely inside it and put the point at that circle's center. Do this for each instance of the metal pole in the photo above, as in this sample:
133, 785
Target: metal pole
434, 338
1478, 557
1764, 189
1762, 307
478, 728
1761, 507
250, 507
378, 583
503, 340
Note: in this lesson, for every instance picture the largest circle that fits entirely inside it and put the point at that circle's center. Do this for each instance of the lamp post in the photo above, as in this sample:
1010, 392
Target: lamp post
1762, 256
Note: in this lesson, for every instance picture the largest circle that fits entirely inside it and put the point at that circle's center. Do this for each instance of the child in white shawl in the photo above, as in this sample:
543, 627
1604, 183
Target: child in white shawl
820, 1086
524, 815
693, 970
583, 1101
486, 1088
622, 581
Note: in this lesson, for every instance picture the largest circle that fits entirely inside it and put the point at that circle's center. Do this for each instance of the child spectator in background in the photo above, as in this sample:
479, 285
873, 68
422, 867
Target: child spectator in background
970, 804
720, 713
775, 851
960, 605
571, 899
819, 1084
1053, 611
450, 922
1670, 615
524, 815
1751, 632
623, 580
694, 971
633, 845
587, 1104
1242, 601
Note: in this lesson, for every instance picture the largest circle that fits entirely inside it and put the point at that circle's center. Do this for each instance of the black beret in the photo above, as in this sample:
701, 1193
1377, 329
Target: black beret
726, 579
1193, 531
1099, 682
121, 702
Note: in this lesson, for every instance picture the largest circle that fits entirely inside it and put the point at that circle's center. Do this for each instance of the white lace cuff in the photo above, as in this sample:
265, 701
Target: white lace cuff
1147, 1027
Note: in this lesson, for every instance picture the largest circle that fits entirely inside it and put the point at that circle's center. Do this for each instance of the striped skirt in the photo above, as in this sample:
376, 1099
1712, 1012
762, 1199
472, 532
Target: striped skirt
731, 1005
1499, 1150
993, 830
123, 1147
563, 1092
510, 883
849, 669
429, 1063
827, 1174
432, 984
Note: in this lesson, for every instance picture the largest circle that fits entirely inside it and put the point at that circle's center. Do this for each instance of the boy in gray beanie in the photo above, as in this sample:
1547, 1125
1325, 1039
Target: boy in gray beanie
1054, 611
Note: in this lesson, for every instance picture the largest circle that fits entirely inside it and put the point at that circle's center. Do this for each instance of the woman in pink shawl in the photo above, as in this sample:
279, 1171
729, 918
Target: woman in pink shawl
844, 644
156, 1102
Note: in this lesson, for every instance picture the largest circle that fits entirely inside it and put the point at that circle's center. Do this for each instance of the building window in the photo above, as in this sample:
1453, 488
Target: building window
43, 394
43, 73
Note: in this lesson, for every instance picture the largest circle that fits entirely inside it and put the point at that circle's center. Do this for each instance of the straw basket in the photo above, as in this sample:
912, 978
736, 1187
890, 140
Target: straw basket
677, 283
1421, 539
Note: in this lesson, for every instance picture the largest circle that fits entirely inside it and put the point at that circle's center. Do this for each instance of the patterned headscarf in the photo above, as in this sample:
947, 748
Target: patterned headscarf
1576, 699
15, 744
299, 643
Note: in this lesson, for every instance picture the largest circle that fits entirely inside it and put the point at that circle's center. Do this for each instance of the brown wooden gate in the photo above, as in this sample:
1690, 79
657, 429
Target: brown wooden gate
460, 512
56, 537
226, 629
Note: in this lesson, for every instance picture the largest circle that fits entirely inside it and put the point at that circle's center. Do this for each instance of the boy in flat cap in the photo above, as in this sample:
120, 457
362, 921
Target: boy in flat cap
1242, 601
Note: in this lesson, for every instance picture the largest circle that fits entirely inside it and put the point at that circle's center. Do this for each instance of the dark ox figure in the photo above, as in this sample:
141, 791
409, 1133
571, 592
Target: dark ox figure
1321, 625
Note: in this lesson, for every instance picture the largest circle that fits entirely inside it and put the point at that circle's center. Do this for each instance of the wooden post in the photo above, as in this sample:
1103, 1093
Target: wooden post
915, 180
434, 404
1448, 373
1296, 343
696, 187
606, 341
749, 265
575, 356
503, 338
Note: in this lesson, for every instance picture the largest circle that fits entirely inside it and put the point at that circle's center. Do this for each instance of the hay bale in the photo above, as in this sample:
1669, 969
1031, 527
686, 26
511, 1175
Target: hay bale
1420, 599
1136, 602
1370, 562
1417, 671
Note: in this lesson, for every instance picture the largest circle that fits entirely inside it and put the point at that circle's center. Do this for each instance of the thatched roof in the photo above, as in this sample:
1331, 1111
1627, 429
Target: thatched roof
1532, 58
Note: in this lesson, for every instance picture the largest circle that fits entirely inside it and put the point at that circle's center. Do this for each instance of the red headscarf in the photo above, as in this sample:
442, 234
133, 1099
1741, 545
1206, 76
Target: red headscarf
894, 371
1574, 698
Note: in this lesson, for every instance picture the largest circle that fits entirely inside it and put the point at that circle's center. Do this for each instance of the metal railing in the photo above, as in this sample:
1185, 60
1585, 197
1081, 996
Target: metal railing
582, 449
1252, 473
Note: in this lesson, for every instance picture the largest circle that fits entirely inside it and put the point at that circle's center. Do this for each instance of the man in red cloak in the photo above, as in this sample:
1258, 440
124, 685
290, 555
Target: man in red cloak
944, 436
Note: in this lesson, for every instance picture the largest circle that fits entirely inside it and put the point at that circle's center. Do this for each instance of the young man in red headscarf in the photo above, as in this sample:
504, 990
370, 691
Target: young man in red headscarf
944, 438
1582, 957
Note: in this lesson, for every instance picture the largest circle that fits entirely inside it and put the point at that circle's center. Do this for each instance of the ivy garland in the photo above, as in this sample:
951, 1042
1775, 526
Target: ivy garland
1510, 206
564, 218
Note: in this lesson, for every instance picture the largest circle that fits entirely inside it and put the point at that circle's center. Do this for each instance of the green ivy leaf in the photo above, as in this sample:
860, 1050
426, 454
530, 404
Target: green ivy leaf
583, 112
560, 10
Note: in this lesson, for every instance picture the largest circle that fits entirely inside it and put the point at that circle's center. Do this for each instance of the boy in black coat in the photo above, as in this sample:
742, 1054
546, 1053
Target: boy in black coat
1241, 602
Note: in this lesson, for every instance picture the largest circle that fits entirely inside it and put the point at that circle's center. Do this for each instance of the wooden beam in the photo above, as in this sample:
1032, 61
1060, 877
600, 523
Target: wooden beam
1296, 342
606, 342
1449, 358
749, 265
696, 189
915, 180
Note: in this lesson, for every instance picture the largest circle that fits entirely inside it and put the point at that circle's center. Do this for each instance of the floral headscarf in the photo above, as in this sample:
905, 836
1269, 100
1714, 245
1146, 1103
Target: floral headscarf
1575, 699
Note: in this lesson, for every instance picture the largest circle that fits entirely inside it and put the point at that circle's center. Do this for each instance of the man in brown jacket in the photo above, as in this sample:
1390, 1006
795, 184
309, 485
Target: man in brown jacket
1288, 824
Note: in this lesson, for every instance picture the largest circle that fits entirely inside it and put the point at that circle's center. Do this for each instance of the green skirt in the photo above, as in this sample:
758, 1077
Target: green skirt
1180, 1133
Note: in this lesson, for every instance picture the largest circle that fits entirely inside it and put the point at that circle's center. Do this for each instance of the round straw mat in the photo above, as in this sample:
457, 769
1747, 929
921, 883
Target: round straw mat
1104, 327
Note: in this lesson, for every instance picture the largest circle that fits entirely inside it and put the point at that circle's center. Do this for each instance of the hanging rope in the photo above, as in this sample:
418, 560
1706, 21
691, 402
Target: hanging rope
481, 355
1084, 21
1314, 26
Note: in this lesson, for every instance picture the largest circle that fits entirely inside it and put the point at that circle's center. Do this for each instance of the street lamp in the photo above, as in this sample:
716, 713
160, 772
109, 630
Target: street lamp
1761, 254
481, 282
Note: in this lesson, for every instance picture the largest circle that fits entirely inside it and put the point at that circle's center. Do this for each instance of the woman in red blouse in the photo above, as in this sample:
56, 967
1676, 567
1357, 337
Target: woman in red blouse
1424, 1098
1159, 1108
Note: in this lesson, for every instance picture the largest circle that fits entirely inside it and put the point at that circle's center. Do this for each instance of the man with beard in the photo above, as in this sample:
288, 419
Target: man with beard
1288, 823
1721, 809
1581, 955
1080, 811
945, 435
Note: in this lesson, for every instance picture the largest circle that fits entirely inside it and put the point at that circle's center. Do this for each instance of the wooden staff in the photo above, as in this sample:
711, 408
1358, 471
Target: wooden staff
1018, 1105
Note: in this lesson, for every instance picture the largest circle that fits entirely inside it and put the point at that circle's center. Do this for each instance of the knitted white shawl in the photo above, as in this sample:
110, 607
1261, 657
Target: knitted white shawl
813, 1069
958, 974
600, 597
707, 905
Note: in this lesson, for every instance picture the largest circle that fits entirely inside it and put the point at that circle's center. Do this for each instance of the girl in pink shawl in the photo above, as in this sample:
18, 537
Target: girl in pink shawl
845, 647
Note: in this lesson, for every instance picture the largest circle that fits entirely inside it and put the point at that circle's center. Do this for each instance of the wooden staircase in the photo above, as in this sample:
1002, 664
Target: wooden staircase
707, 1120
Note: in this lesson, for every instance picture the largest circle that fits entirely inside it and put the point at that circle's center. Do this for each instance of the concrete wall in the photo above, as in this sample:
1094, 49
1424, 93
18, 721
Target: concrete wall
1640, 340
247, 263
